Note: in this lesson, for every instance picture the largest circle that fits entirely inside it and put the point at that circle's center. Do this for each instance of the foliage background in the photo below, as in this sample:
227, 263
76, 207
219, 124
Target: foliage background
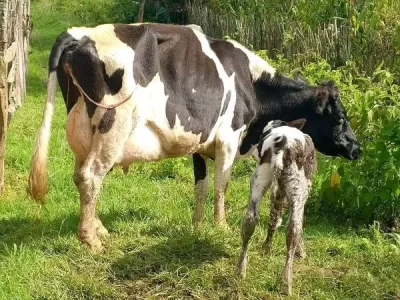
364, 31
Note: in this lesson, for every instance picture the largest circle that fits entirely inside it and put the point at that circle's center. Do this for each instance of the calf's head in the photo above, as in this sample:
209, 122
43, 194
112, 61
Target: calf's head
328, 125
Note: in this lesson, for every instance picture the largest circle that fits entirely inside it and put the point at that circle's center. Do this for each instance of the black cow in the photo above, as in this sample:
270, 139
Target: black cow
144, 92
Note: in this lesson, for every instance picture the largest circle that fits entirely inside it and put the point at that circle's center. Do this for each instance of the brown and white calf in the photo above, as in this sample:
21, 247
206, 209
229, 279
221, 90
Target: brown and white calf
145, 92
287, 162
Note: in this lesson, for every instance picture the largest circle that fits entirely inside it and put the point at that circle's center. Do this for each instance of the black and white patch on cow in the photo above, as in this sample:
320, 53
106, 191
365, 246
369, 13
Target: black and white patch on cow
174, 120
144, 92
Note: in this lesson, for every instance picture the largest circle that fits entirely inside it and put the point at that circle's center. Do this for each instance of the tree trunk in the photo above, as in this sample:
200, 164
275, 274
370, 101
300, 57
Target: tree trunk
141, 11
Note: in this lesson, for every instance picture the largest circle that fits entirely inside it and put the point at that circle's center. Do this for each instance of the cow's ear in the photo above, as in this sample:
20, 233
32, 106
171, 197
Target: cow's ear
299, 77
299, 123
322, 99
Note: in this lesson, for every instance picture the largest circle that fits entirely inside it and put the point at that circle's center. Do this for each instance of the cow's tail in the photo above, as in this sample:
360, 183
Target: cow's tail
38, 174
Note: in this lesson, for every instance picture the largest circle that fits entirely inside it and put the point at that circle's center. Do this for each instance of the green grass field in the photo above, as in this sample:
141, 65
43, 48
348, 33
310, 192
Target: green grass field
153, 251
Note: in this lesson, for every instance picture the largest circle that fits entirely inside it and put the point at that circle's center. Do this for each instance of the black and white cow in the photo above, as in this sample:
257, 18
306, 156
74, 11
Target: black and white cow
144, 92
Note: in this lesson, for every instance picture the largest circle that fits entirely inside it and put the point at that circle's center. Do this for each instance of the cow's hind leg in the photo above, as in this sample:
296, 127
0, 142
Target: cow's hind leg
201, 186
100, 229
105, 149
89, 180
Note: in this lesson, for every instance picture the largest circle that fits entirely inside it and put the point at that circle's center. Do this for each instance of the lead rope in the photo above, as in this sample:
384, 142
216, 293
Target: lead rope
68, 93
69, 71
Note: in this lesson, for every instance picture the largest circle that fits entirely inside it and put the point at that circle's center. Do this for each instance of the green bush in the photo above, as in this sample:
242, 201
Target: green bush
369, 188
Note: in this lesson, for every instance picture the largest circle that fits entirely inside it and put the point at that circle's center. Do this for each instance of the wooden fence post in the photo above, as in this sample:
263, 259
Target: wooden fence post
14, 39
3, 122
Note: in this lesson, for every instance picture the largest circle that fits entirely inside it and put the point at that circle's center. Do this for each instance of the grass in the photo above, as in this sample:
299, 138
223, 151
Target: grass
153, 251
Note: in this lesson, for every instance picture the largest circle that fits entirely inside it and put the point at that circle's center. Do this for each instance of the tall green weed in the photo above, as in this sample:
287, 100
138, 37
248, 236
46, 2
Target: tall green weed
366, 32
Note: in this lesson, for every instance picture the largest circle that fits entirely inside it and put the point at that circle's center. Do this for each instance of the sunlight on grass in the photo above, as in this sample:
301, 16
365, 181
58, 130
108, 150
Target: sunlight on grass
153, 251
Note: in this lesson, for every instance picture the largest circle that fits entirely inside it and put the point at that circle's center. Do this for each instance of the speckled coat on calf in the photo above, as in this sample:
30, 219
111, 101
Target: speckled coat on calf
287, 162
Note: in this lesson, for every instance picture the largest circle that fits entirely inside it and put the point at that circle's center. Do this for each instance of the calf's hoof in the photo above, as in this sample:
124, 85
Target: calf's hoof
241, 268
240, 273
286, 289
266, 248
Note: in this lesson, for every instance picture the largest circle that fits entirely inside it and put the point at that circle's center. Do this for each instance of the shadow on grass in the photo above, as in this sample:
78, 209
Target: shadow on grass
183, 250
29, 230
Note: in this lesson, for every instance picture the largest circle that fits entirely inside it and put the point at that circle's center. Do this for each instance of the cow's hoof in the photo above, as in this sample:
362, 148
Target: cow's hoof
100, 229
94, 245
91, 240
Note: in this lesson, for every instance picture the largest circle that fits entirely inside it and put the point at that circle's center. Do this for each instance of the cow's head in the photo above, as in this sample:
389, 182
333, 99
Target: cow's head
328, 125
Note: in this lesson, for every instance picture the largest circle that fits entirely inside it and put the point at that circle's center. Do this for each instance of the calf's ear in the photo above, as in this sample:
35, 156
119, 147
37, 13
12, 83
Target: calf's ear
299, 123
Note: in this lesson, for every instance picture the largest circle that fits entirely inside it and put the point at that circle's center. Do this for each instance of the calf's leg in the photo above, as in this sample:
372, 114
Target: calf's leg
293, 236
259, 181
300, 251
275, 217
201, 186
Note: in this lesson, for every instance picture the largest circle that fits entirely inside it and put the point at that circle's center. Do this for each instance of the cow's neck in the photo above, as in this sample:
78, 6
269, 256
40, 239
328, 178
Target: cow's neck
283, 98
278, 98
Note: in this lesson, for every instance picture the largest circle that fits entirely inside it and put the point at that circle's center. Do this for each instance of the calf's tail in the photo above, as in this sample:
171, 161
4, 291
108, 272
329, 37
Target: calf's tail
38, 173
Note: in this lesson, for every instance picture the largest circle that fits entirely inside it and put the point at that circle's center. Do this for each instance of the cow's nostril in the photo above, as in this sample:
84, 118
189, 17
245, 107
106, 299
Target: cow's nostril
355, 153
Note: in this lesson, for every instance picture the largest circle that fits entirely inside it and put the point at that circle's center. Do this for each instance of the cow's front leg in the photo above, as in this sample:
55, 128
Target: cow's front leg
201, 186
224, 157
